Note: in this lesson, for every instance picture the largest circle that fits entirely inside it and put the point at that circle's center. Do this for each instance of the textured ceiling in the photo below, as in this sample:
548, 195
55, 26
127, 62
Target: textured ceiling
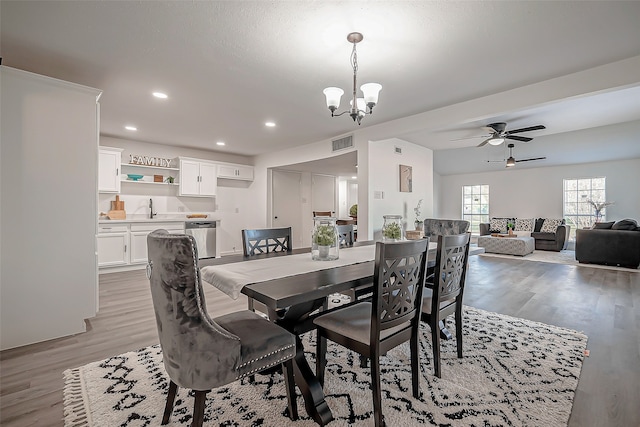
230, 66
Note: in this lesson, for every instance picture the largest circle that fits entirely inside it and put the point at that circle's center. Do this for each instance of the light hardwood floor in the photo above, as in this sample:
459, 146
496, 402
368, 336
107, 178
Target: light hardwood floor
604, 304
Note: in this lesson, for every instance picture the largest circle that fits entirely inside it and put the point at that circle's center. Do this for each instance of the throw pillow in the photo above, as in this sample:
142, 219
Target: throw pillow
498, 225
550, 225
603, 225
524, 224
625, 224
538, 224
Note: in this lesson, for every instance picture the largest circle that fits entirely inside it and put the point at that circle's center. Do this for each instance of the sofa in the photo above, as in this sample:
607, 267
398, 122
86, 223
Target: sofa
610, 243
549, 234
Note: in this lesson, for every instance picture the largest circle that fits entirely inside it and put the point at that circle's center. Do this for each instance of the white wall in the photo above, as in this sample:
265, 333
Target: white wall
384, 177
48, 263
539, 193
233, 206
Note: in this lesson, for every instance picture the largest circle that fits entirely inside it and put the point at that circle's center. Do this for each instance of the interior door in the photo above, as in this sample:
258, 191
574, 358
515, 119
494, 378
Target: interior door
323, 193
287, 204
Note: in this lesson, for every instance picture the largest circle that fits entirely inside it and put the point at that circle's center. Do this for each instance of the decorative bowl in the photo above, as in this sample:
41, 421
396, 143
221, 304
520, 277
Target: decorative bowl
134, 177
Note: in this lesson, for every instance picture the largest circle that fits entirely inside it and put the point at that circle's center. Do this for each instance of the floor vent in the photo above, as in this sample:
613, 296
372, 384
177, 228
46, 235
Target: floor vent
342, 143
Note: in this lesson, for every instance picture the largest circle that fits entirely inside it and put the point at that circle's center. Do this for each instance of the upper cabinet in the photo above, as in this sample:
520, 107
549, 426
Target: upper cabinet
231, 171
109, 170
198, 178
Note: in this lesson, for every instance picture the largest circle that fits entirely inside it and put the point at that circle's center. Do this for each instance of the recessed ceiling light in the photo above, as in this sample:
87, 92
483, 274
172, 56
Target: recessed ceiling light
160, 95
220, 143
131, 128
270, 124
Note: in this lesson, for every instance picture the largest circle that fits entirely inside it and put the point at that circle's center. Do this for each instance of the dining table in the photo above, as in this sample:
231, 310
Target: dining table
281, 280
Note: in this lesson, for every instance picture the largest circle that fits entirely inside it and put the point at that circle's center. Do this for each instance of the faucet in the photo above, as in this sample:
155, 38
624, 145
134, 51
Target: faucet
151, 214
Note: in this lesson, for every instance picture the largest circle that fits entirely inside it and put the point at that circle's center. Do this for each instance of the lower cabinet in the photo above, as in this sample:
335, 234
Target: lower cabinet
138, 238
126, 244
113, 245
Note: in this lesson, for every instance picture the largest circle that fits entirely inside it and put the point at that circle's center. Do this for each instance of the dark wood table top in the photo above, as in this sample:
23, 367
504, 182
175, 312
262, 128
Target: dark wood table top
287, 291
291, 290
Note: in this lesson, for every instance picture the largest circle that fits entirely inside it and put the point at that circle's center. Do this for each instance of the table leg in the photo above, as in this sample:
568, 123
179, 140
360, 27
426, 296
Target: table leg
310, 388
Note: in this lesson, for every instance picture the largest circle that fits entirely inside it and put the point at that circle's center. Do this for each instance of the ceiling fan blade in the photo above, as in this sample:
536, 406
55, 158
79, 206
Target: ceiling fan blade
528, 160
483, 143
470, 137
497, 127
519, 138
538, 127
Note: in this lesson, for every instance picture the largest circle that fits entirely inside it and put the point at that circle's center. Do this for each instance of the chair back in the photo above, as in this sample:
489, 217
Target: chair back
398, 283
191, 341
451, 269
266, 240
444, 227
345, 235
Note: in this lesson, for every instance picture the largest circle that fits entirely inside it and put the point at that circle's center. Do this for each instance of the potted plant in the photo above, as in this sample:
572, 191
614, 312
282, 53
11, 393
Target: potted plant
598, 208
418, 223
324, 236
392, 228
510, 228
353, 211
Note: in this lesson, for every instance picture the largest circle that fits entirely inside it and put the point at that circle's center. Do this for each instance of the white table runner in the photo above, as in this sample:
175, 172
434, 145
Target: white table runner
230, 278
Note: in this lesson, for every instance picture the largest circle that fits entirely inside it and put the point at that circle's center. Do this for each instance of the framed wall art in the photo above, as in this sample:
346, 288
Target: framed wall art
406, 177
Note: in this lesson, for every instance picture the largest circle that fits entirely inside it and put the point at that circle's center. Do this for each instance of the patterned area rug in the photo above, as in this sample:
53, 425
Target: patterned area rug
514, 373
562, 257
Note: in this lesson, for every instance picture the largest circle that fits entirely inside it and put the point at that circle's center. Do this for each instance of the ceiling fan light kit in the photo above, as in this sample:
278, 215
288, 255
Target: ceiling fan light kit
359, 107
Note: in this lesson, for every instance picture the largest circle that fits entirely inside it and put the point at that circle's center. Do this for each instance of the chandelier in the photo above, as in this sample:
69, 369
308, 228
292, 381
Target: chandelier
359, 106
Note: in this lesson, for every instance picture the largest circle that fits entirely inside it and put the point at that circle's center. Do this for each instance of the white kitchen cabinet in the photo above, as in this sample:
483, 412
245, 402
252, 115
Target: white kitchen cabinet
109, 170
138, 238
198, 178
231, 171
113, 245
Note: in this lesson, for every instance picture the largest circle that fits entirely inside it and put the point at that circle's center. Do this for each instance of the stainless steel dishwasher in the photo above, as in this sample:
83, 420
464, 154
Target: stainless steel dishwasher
205, 234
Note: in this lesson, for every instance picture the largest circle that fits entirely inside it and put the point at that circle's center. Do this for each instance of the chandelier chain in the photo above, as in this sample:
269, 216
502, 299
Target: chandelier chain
354, 59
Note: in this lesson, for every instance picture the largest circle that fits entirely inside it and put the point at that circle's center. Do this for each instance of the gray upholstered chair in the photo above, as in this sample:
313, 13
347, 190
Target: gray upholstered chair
392, 317
444, 227
444, 289
201, 353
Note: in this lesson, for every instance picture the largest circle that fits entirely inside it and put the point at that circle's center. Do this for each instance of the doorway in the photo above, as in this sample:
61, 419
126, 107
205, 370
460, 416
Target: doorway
286, 190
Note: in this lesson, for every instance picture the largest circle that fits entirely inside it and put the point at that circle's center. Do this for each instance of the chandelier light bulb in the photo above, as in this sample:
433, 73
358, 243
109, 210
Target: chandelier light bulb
370, 92
333, 95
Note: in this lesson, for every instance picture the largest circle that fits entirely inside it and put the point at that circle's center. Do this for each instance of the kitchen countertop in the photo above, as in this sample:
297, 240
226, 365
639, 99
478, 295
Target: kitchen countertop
156, 219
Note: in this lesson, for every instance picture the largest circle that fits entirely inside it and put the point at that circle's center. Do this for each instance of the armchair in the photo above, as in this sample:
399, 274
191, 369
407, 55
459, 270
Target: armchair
200, 352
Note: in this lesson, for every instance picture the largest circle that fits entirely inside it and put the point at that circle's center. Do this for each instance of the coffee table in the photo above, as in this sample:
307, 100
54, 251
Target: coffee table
520, 246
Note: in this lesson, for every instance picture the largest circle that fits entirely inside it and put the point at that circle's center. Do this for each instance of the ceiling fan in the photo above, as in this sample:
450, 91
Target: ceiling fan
499, 134
511, 161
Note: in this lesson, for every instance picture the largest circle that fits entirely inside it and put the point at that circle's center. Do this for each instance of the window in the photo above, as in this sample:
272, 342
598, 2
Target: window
577, 211
475, 205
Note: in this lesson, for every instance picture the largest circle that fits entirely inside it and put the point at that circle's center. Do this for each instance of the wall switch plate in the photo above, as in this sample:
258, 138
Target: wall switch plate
378, 194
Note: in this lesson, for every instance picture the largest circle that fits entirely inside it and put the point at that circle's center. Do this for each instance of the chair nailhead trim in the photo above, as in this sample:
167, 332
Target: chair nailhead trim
262, 368
266, 355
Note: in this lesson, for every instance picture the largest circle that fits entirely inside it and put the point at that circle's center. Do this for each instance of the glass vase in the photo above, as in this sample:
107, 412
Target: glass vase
325, 243
392, 230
